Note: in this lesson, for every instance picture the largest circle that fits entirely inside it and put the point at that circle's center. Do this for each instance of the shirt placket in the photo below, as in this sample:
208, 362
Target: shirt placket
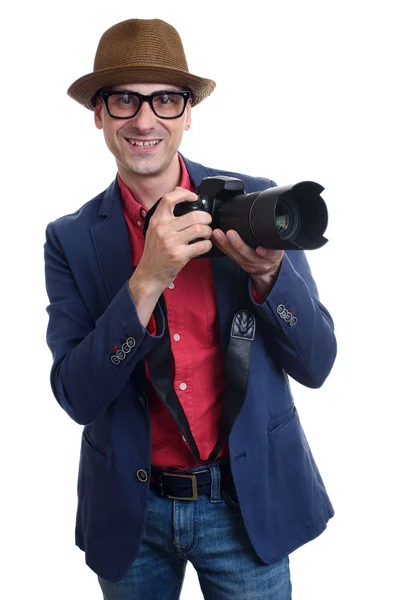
183, 360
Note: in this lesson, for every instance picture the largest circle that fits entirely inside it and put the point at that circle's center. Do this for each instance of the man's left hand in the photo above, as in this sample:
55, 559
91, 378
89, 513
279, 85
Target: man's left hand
262, 264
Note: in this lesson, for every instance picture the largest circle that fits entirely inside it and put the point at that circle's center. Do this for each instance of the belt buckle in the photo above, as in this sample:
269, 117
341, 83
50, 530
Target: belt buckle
193, 484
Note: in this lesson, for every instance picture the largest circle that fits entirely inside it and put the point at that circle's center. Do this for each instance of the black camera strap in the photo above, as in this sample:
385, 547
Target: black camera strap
236, 374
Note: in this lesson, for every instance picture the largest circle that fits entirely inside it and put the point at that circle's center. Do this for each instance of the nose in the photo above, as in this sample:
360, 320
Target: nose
145, 119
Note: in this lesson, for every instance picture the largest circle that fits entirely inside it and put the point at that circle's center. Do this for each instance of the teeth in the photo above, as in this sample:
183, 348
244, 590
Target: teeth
144, 144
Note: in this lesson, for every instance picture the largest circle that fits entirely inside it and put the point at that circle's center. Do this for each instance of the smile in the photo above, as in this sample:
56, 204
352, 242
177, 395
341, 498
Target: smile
148, 144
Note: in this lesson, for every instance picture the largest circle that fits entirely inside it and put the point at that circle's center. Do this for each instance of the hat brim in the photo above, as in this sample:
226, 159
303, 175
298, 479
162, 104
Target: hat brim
83, 90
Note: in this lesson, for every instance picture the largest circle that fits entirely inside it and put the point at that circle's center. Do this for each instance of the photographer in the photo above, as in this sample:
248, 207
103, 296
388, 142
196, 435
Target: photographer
177, 364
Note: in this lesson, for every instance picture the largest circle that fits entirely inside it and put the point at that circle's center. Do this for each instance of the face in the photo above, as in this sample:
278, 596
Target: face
122, 135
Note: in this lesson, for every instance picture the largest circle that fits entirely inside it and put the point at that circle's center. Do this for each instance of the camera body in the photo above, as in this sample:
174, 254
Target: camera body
287, 218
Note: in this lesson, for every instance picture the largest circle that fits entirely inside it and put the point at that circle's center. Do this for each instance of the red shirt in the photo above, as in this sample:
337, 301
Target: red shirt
198, 366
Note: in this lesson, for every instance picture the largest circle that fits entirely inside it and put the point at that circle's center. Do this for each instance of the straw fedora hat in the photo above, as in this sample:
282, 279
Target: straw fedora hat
139, 50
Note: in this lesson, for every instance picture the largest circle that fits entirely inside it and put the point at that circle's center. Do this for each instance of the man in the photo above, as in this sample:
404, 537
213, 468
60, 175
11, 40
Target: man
177, 365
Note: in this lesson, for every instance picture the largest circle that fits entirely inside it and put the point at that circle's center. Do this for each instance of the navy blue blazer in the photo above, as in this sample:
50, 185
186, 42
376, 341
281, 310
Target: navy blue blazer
282, 498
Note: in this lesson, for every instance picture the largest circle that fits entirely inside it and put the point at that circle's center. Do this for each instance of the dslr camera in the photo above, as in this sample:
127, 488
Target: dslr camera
284, 218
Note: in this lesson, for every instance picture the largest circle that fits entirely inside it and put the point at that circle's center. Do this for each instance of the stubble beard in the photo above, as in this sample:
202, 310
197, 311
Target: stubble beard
139, 165
143, 166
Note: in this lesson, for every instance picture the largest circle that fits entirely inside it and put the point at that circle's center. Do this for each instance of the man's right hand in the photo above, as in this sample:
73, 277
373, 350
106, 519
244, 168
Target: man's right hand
167, 249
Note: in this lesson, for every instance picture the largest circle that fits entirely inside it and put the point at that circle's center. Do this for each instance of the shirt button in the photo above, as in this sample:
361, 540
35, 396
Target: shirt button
143, 214
184, 438
171, 286
139, 223
183, 386
176, 337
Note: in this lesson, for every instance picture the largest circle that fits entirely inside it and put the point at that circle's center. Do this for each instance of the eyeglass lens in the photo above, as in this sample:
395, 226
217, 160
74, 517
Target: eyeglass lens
127, 105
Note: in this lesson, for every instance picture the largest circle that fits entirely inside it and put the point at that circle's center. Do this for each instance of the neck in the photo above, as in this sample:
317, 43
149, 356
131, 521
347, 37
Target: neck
147, 189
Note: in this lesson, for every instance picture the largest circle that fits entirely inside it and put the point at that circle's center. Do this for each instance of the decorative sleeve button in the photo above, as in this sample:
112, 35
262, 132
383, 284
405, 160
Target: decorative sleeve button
120, 355
286, 315
125, 349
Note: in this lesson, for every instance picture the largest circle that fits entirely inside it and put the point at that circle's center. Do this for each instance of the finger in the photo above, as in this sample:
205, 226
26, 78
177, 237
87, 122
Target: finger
251, 254
192, 218
199, 248
195, 231
272, 255
220, 240
232, 244
169, 200
241, 253
239, 244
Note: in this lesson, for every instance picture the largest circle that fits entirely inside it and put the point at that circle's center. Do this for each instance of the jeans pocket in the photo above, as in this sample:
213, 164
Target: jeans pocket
229, 496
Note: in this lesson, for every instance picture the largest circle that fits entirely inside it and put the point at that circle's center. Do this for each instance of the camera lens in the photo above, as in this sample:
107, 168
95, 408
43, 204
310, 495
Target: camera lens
282, 222
286, 219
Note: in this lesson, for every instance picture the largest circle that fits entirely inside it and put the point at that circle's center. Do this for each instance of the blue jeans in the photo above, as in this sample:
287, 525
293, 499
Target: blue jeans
210, 533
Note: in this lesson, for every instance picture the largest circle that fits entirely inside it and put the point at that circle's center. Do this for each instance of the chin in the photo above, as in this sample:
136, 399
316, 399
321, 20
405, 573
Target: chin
151, 166
145, 170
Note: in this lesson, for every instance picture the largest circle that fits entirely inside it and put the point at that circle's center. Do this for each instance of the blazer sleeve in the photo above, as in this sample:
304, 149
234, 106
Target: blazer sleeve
85, 376
298, 329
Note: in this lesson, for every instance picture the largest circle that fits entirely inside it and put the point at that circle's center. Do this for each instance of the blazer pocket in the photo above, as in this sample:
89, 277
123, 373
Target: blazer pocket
92, 446
284, 418
294, 481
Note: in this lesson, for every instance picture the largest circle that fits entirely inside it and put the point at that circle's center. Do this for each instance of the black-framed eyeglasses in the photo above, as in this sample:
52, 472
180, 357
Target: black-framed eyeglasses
165, 104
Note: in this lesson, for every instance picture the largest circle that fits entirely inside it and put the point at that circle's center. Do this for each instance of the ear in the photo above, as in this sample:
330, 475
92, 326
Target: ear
97, 113
188, 116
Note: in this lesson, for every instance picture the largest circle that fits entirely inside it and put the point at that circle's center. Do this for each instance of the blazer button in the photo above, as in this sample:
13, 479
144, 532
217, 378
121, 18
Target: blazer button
125, 348
142, 475
120, 355
293, 321
115, 360
280, 309
131, 342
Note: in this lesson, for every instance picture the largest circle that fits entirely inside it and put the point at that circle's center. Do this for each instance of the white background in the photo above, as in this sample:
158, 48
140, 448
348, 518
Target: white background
305, 90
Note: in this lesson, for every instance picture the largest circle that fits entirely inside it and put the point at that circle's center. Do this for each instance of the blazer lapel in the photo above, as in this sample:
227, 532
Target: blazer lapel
111, 242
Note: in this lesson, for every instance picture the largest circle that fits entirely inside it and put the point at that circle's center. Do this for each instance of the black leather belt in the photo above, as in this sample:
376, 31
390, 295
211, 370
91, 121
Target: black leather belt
187, 486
